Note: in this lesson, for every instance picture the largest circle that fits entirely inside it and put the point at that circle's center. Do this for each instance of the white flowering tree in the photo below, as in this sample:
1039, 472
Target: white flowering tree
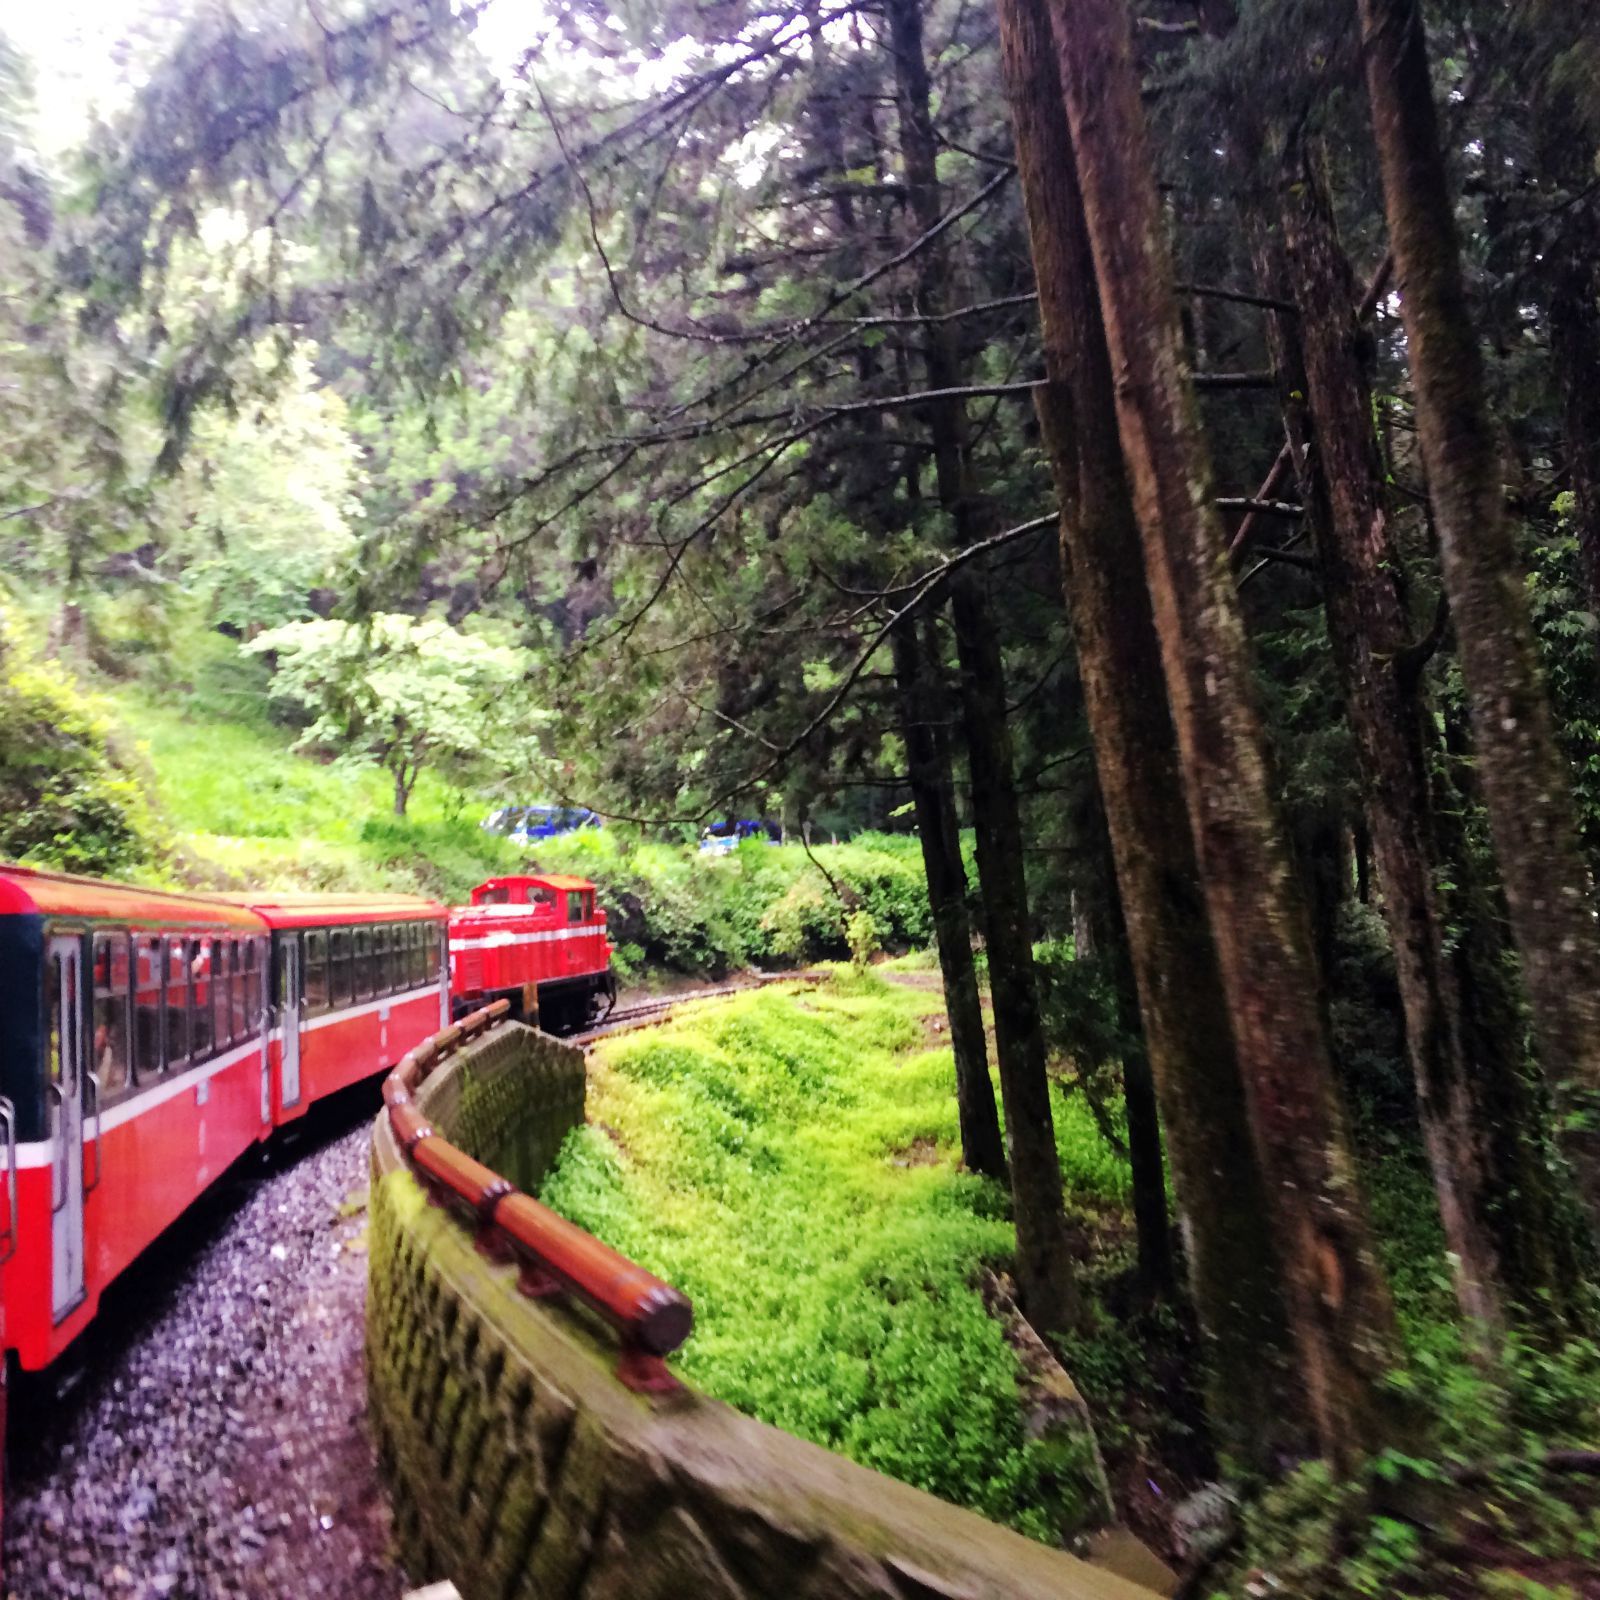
405, 695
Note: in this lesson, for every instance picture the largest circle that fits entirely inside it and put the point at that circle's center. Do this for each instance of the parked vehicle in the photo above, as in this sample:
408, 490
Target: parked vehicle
524, 824
719, 838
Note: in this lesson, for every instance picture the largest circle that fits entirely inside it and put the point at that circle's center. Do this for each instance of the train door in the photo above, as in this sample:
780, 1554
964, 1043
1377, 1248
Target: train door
64, 1091
289, 1014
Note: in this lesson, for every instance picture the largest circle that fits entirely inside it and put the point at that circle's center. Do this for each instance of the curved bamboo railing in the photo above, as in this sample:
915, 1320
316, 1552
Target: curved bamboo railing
557, 1257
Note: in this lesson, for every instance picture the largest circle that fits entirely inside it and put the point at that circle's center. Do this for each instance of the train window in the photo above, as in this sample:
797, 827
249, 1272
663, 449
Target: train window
201, 986
574, 905
362, 963
177, 996
419, 954
222, 992
316, 979
383, 959
251, 952
146, 1008
339, 990
495, 897
239, 990
111, 1007
52, 1011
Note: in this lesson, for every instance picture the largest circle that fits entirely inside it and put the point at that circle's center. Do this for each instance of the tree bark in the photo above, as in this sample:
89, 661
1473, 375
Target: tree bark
1233, 1266
932, 793
1575, 345
1108, 940
1337, 1300
1044, 1264
1498, 1198
1526, 785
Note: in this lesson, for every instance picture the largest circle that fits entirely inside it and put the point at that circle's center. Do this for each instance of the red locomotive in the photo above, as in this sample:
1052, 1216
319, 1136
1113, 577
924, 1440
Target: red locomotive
539, 942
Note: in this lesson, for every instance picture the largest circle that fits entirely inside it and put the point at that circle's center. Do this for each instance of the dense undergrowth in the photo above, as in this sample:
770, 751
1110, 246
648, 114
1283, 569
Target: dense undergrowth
791, 1161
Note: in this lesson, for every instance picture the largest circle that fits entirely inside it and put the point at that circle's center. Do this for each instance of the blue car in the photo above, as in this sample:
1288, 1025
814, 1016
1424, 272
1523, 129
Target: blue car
524, 824
721, 837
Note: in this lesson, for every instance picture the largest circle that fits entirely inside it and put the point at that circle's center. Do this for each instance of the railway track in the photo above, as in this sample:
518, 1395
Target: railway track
648, 1013
208, 1441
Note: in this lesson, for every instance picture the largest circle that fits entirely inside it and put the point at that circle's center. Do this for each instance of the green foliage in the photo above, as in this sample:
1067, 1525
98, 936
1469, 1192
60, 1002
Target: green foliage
402, 694
68, 796
791, 1162
696, 912
263, 511
1569, 639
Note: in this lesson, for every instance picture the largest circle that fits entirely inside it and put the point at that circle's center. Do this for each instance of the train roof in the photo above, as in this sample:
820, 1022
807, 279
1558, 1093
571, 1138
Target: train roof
297, 909
545, 880
33, 891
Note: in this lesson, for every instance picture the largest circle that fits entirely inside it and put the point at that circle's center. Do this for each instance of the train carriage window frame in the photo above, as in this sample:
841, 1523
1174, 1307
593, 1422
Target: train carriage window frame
361, 964
149, 1019
254, 963
113, 1066
419, 955
315, 979
574, 907
340, 977
176, 1042
383, 958
221, 993
202, 1036
242, 1016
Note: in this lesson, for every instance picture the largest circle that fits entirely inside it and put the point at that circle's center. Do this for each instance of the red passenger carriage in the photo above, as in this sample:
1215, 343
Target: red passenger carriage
149, 1039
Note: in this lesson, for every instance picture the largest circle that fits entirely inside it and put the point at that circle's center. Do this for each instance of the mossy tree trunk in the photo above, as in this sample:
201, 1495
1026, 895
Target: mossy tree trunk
1044, 1264
1525, 782
1232, 1260
1499, 1200
1338, 1304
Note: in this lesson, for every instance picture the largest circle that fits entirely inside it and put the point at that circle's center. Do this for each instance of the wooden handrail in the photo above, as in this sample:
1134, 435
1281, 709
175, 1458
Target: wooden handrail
558, 1257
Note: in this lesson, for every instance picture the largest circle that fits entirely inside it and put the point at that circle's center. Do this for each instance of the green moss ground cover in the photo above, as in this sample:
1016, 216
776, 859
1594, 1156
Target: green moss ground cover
790, 1160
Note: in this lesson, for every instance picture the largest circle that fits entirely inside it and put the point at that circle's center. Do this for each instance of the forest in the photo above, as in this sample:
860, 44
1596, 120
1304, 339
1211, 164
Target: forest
1147, 453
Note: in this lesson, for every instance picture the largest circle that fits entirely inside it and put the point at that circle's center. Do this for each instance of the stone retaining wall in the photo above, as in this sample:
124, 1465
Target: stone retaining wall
523, 1470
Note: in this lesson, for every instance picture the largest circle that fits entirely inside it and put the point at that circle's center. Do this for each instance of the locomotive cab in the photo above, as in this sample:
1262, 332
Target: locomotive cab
537, 941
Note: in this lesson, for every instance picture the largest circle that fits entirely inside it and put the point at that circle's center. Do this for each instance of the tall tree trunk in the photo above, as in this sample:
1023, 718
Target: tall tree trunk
1232, 1260
1499, 1200
927, 748
1338, 1302
1526, 785
1044, 1263
931, 790
1108, 939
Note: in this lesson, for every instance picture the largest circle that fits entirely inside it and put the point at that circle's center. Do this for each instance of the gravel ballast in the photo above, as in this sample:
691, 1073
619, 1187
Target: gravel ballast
209, 1439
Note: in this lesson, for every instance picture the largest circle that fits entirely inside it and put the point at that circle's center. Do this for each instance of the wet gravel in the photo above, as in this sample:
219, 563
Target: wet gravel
209, 1441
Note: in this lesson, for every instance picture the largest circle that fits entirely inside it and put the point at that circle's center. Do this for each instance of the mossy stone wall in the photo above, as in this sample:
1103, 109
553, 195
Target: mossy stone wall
522, 1469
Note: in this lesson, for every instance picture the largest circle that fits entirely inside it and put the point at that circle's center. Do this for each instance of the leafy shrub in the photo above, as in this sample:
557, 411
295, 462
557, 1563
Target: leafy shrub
760, 903
68, 796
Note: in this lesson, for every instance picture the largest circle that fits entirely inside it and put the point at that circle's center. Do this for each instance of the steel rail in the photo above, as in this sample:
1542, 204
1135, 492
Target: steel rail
556, 1256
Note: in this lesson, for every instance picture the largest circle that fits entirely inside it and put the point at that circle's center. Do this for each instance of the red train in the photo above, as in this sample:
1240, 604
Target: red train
149, 1039
539, 942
